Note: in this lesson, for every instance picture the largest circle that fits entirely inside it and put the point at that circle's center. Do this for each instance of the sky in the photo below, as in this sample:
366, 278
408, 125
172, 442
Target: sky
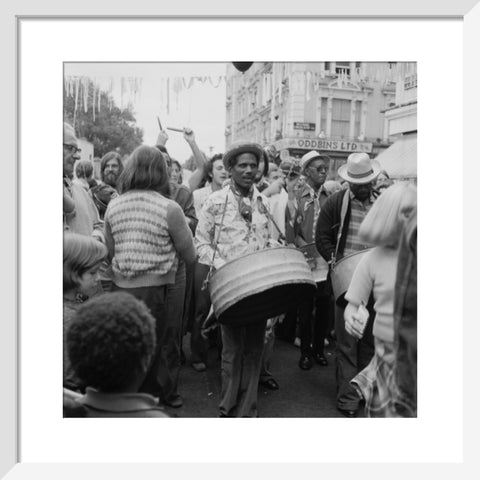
201, 108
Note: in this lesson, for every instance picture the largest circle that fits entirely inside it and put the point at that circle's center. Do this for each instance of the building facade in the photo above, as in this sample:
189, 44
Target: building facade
334, 107
400, 160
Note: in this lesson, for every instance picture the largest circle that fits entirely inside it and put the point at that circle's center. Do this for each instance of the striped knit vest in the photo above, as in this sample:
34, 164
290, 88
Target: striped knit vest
144, 252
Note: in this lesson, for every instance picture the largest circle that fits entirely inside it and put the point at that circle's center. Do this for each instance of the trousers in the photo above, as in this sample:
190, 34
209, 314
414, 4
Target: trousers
314, 320
202, 301
351, 356
241, 363
174, 330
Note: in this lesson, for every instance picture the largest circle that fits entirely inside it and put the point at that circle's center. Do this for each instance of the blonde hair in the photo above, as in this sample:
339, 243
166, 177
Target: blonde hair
383, 224
80, 253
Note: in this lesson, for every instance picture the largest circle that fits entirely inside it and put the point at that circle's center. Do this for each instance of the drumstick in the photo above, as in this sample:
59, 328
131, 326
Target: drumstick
159, 123
175, 129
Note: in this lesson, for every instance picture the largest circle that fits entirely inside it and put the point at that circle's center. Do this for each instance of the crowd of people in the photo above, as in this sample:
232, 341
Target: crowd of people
142, 242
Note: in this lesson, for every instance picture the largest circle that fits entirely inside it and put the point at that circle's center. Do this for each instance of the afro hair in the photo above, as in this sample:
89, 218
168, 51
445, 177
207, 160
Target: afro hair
111, 341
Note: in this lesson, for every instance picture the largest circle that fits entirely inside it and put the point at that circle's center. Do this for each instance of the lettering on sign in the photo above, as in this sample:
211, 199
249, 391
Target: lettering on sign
324, 144
304, 126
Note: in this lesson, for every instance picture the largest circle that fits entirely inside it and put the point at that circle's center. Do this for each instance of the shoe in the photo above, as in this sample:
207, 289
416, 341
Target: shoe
297, 342
348, 413
320, 359
305, 362
174, 402
199, 366
271, 384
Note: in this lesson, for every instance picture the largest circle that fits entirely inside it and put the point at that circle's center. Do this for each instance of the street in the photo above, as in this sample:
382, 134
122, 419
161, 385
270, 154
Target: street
302, 393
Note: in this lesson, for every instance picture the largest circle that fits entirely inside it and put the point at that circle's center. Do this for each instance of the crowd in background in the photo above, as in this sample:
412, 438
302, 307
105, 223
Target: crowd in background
142, 241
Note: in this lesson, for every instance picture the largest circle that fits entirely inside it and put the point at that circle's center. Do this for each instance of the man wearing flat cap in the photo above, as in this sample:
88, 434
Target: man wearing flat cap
233, 222
301, 217
336, 237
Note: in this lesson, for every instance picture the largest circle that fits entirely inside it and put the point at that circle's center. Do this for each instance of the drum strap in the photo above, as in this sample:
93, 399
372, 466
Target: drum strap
343, 214
215, 247
265, 210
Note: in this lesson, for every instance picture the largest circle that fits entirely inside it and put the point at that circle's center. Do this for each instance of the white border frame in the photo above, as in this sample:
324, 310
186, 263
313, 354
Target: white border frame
352, 9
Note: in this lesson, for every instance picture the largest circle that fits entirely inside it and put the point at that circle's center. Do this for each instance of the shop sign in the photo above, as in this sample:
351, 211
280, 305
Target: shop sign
304, 126
324, 144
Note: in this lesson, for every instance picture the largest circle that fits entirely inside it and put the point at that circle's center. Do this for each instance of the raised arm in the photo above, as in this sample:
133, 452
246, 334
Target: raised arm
200, 161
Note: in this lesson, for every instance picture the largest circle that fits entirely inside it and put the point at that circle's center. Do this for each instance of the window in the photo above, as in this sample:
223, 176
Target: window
323, 115
340, 118
358, 117
342, 68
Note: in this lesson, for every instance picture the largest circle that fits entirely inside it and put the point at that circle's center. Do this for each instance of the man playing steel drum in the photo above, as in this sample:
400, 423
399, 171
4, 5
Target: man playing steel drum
336, 237
232, 223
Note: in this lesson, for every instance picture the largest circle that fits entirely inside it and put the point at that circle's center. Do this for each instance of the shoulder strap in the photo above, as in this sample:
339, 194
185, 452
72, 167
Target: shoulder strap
343, 214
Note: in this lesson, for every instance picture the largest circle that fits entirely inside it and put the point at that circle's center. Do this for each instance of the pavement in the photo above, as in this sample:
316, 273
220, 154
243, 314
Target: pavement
309, 394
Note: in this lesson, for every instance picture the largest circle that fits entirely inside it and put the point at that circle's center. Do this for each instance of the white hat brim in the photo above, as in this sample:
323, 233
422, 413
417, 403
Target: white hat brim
343, 173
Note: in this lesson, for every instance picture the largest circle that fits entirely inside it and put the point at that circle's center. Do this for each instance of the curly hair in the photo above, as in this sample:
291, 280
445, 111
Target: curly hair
111, 341
209, 165
80, 253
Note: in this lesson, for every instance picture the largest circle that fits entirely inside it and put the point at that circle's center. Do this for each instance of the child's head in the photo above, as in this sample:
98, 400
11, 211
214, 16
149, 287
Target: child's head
82, 256
383, 224
111, 341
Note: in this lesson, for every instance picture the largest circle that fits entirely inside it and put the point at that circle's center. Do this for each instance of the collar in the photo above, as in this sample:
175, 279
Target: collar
118, 402
254, 193
309, 191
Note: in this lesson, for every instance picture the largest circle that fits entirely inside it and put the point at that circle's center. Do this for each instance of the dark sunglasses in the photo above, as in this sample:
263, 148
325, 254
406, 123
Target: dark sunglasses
321, 168
72, 148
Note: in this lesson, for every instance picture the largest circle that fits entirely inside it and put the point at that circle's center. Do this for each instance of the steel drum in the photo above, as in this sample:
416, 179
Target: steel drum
342, 272
260, 285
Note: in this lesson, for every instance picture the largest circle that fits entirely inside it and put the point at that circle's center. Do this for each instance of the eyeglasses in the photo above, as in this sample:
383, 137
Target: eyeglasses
320, 168
72, 148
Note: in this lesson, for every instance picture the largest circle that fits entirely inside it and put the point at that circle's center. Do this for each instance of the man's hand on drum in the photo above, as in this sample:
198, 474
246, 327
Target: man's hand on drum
352, 325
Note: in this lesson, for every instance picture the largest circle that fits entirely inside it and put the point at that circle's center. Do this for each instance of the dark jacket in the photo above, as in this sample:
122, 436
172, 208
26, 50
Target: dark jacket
183, 196
328, 225
299, 230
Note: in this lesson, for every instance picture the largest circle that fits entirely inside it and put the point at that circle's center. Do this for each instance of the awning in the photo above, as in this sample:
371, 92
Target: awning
400, 159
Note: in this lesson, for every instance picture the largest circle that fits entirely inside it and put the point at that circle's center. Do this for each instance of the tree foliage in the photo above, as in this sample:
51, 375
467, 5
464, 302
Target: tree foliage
112, 129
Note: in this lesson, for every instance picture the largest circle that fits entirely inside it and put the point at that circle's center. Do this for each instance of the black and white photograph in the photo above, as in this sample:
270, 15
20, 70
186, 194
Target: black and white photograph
240, 195
240, 239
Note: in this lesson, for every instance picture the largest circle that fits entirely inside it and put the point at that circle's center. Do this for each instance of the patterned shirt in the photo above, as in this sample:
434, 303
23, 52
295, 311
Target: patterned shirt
359, 210
199, 197
238, 235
